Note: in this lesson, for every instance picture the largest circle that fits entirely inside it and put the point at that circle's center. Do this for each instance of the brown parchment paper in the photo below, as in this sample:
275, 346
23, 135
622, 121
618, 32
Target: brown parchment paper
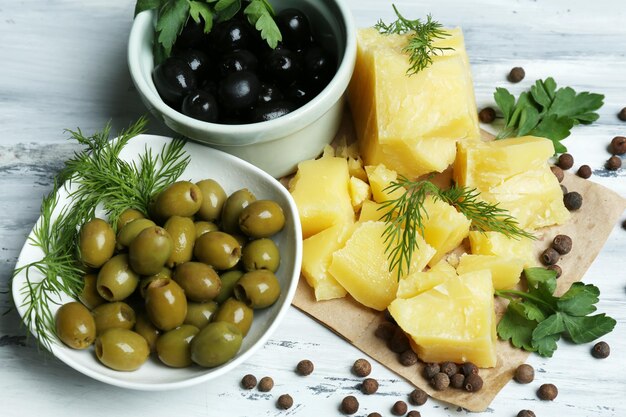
589, 229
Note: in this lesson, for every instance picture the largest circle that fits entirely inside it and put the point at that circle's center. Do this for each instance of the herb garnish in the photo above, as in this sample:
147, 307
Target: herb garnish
405, 216
546, 111
420, 47
98, 179
537, 319
172, 15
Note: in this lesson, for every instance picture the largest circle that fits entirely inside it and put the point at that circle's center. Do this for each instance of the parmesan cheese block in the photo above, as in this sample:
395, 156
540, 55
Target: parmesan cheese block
505, 271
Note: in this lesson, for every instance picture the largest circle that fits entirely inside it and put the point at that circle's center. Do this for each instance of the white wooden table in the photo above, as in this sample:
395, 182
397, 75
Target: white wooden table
63, 65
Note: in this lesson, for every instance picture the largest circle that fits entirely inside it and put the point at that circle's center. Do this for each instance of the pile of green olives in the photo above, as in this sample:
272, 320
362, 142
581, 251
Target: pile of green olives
182, 282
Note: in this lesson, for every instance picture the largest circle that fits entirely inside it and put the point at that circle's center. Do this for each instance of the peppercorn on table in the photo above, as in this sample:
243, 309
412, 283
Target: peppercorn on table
64, 66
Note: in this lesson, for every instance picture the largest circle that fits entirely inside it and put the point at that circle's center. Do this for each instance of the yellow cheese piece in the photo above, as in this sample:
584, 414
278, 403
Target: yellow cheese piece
380, 177
359, 192
494, 243
419, 281
444, 227
505, 271
320, 190
317, 252
372, 211
411, 123
454, 321
362, 266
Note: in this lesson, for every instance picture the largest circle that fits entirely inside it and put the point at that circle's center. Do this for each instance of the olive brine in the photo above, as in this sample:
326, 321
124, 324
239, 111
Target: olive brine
232, 76
184, 283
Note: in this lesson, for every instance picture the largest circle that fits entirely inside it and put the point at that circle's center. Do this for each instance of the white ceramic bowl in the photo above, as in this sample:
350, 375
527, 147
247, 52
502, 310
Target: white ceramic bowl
278, 145
233, 174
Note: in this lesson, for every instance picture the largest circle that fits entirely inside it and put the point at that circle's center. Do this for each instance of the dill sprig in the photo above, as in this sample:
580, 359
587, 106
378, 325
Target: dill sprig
95, 178
420, 46
406, 214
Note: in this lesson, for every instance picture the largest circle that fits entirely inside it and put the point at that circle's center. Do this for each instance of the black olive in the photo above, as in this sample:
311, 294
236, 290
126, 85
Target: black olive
230, 35
282, 66
198, 61
239, 60
201, 105
294, 27
300, 93
239, 90
192, 36
271, 111
210, 86
174, 80
269, 93
319, 67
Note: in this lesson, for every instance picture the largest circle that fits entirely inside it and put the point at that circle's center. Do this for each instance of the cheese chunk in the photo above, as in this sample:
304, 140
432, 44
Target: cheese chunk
494, 243
444, 227
419, 281
505, 271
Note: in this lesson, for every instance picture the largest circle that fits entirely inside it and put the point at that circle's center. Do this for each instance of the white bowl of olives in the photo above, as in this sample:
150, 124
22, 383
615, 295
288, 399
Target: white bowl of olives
271, 102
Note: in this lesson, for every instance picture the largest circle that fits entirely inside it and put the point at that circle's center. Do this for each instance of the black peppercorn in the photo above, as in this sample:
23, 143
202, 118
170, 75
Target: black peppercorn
414, 413
473, 383
369, 386
374, 414
566, 161
431, 369
266, 384
399, 342
618, 145
399, 408
305, 367
449, 368
562, 244
558, 173
361, 367
487, 115
614, 163
385, 330
349, 405
284, 402
622, 114
408, 358
584, 171
526, 413
547, 392
524, 374
418, 397
573, 200
440, 381
601, 350
457, 380
556, 269
469, 368
550, 256
516, 75
248, 381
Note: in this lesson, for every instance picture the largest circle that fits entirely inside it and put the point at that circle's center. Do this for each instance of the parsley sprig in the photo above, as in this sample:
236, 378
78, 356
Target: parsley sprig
535, 320
420, 46
546, 111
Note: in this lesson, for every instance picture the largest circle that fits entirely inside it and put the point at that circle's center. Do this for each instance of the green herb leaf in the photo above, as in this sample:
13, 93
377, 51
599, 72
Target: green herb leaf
538, 276
579, 300
227, 9
547, 333
199, 9
516, 327
260, 14
588, 328
172, 17
143, 5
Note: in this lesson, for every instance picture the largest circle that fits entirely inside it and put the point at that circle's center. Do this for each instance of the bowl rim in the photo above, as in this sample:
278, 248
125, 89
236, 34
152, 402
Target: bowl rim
245, 134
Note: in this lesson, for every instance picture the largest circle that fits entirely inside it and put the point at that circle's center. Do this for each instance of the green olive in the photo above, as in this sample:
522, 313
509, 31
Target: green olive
128, 216
200, 314
235, 312
149, 251
122, 349
96, 243
113, 315
229, 279
258, 289
261, 254
147, 330
199, 281
213, 198
218, 249
216, 344
75, 325
262, 218
183, 198
145, 281
203, 227
166, 304
173, 347
116, 280
183, 234
89, 295
126, 234
233, 207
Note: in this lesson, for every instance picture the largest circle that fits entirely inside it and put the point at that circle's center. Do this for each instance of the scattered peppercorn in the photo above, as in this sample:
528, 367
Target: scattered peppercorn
524, 374
468, 368
440, 381
614, 163
374, 414
563, 189
385, 330
369, 386
361, 367
516, 75
487, 115
526, 413
556, 269
284, 402
618, 145
266, 384
399, 342
558, 173
566, 161
418, 397
248, 381
457, 380
601, 350
305, 367
431, 369
547, 392
624, 225
408, 358
622, 114
399, 408
389, 317
349, 405
414, 413
449, 368
573, 200
584, 171
562, 244
550, 256
473, 383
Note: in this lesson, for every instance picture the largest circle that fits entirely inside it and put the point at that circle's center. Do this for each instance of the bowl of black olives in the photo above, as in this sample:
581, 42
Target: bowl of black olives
264, 82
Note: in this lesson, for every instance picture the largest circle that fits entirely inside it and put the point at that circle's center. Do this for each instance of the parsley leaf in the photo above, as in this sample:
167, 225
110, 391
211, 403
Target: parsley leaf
546, 111
260, 15
227, 9
517, 327
172, 17
199, 9
143, 5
